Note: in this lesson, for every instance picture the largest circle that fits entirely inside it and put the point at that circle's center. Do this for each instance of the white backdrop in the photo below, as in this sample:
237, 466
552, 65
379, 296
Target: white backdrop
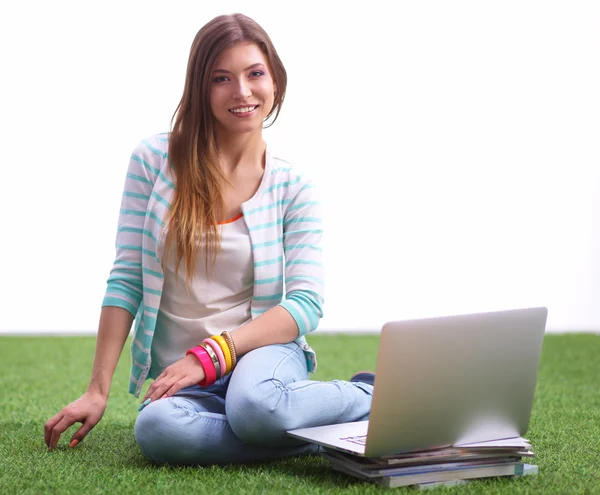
456, 145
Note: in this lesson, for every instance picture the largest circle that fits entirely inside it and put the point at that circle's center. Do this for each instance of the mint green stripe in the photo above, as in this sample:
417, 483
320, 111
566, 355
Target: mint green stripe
130, 194
165, 180
302, 205
139, 213
268, 262
150, 309
129, 271
138, 231
312, 293
267, 243
311, 308
261, 281
152, 291
154, 217
161, 199
139, 178
163, 139
268, 207
272, 297
136, 370
267, 225
304, 231
123, 277
304, 277
125, 291
303, 219
119, 303
282, 184
308, 311
154, 150
281, 169
128, 263
302, 330
304, 262
131, 247
302, 246
149, 321
153, 273
145, 164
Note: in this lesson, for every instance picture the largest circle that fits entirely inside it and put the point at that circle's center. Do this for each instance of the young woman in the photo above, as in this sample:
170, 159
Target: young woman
219, 262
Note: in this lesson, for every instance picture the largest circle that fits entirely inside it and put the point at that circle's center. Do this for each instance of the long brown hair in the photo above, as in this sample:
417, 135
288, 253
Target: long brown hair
193, 155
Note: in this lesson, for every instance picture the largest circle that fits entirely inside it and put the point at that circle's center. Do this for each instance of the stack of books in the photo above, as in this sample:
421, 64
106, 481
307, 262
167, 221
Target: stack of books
448, 466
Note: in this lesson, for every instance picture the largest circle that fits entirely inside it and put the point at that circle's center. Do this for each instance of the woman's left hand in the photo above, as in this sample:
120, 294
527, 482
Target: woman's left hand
183, 373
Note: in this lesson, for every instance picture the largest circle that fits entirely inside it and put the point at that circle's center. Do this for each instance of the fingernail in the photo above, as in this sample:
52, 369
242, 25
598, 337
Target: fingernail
73, 443
144, 404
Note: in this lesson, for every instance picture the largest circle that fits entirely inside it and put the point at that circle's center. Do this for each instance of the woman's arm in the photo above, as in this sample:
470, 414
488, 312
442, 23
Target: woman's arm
301, 310
89, 408
121, 301
276, 326
113, 330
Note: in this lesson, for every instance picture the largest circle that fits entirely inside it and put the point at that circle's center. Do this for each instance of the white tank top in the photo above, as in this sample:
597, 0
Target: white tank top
212, 305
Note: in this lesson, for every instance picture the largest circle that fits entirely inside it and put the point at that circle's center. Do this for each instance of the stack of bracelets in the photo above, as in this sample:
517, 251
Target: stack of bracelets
217, 357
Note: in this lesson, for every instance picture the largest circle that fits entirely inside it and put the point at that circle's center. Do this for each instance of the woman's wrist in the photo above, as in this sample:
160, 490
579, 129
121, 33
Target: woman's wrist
98, 391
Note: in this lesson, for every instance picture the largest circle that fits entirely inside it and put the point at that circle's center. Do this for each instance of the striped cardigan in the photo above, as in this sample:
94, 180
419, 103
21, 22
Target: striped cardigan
285, 226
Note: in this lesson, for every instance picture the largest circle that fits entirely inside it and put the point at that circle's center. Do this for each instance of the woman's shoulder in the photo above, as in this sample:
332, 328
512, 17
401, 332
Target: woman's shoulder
156, 144
289, 183
287, 173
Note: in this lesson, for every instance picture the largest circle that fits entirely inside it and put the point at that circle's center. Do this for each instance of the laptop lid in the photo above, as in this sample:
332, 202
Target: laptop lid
455, 379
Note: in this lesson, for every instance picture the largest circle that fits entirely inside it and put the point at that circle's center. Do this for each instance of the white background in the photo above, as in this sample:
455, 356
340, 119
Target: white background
456, 145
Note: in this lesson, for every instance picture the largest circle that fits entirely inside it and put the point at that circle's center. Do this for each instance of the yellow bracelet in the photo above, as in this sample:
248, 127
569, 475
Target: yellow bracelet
225, 348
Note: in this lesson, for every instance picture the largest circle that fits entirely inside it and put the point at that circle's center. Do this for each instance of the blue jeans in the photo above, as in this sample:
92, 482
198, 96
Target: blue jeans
244, 416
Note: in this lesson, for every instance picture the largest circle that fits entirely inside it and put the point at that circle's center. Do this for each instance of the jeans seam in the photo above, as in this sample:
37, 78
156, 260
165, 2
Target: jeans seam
278, 383
284, 358
177, 406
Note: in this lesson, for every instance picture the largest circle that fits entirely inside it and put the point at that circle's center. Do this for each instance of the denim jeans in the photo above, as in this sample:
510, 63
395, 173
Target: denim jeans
244, 416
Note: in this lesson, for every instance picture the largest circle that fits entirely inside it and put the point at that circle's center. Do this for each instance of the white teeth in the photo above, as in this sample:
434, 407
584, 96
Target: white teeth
242, 110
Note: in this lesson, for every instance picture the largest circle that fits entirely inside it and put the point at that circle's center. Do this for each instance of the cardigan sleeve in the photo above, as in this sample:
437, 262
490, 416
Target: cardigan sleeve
124, 285
303, 257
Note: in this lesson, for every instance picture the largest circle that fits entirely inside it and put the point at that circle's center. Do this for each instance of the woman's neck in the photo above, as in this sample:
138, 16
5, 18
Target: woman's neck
241, 150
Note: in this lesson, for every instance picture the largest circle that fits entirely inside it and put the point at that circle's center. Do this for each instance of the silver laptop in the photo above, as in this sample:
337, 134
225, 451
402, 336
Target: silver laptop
446, 381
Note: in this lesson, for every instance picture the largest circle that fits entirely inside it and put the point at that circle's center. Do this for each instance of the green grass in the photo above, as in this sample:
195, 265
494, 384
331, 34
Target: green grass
39, 376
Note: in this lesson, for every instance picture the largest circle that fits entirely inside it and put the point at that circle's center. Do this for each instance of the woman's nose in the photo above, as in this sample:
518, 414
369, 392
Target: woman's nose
242, 90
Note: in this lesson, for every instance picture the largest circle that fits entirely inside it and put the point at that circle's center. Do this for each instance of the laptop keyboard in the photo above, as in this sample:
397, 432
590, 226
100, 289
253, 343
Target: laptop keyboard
359, 439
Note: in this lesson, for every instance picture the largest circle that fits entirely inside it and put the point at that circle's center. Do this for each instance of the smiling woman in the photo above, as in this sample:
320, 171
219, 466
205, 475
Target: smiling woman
219, 259
246, 93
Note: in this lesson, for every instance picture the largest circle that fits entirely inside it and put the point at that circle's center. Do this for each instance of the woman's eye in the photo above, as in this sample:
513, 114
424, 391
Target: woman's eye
256, 73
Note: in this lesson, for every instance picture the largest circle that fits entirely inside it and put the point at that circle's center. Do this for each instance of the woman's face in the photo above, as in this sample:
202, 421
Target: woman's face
242, 89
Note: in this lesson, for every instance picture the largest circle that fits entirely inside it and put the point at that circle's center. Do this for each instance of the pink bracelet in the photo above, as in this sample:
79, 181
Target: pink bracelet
210, 374
219, 352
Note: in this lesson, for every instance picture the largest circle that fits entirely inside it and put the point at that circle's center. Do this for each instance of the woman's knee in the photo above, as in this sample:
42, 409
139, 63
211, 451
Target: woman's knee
152, 430
259, 415
162, 432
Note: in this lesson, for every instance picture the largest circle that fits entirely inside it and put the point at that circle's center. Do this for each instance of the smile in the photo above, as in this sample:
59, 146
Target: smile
243, 111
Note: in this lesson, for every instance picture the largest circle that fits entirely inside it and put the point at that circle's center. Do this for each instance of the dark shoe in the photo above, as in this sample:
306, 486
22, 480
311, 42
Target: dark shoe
364, 377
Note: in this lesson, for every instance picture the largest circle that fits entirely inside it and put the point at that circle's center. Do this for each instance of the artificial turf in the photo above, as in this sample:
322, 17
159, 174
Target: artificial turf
40, 375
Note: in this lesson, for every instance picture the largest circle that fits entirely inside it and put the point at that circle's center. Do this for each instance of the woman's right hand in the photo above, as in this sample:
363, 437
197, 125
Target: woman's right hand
88, 410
